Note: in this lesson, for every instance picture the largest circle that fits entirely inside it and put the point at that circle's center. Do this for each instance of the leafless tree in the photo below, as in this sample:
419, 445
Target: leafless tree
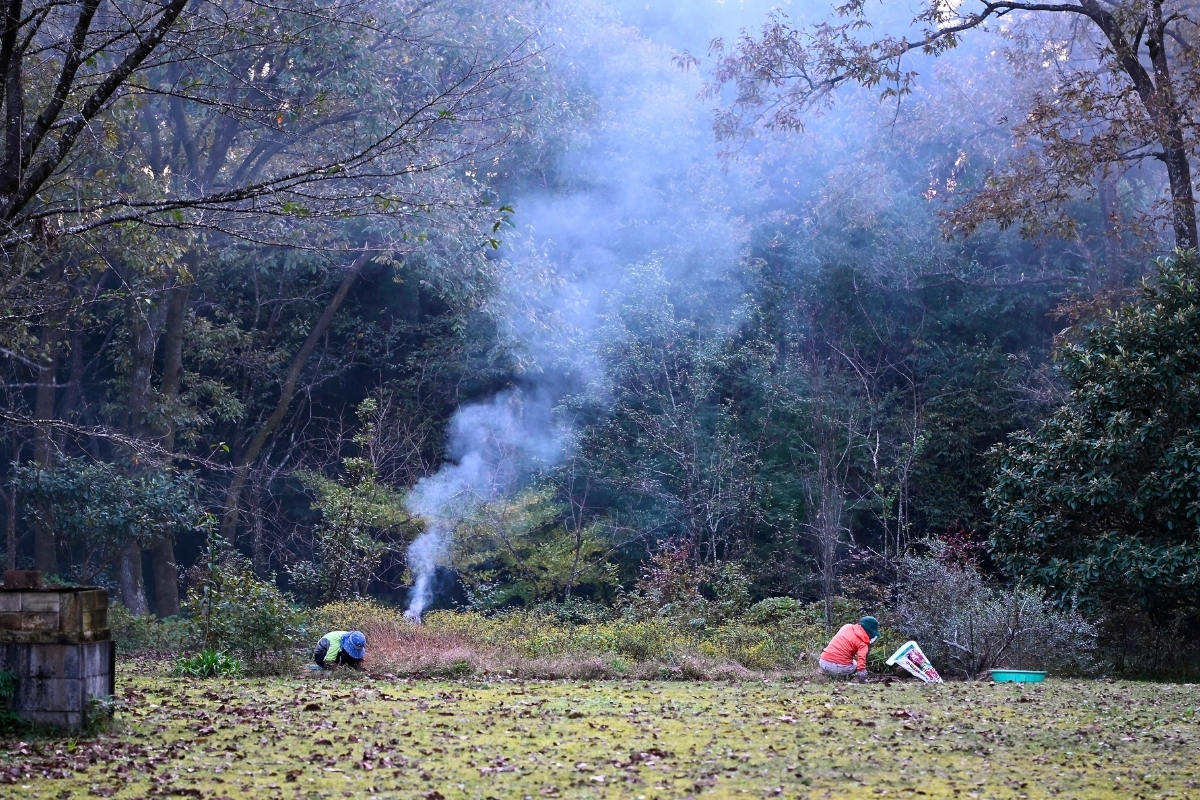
1126, 94
834, 434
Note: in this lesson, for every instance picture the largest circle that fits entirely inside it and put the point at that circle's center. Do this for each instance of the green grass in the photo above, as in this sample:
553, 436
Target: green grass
341, 735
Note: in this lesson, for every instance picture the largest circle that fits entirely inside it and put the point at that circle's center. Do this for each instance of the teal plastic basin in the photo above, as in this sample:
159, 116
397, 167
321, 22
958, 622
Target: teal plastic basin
1017, 676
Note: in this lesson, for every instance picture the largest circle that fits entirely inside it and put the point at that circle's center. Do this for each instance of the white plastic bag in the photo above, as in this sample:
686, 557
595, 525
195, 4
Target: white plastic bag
912, 659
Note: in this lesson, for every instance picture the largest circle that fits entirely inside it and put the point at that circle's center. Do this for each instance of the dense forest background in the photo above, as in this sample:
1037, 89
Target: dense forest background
491, 305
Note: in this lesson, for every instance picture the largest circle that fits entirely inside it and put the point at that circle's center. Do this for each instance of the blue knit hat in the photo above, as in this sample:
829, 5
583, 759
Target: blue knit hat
354, 643
871, 626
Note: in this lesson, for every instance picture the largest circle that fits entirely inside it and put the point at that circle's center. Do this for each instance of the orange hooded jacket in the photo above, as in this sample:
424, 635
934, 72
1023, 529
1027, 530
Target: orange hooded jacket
849, 647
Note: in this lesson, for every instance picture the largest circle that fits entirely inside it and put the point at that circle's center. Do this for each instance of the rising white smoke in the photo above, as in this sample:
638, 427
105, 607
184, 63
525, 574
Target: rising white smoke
424, 554
493, 448
641, 183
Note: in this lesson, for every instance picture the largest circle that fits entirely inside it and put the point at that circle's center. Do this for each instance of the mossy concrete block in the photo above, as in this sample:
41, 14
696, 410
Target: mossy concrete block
58, 644
63, 615
42, 601
56, 682
22, 579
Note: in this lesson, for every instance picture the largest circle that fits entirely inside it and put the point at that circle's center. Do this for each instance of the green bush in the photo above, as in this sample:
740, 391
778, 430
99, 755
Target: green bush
1097, 504
232, 611
675, 588
135, 633
354, 615
773, 610
8, 685
763, 647
238, 614
101, 715
97, 510
208, 664
460, 669
575, 610
10, 723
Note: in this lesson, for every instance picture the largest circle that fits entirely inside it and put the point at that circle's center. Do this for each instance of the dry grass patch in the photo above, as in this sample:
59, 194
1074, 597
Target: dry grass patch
534, 645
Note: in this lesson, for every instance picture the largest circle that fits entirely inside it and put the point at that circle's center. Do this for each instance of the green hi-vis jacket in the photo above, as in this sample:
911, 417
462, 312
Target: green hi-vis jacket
335, 645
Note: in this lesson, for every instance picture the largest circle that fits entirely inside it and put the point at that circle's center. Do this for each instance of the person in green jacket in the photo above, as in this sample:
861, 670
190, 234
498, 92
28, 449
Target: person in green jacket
341, 647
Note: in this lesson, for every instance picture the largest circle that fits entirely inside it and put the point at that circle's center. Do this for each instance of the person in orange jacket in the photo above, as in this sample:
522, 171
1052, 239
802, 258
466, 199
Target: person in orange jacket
847, 653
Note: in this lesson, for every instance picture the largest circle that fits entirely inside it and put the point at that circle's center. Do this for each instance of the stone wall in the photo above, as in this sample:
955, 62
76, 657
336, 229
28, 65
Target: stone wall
58, 644
66, 616
55, 682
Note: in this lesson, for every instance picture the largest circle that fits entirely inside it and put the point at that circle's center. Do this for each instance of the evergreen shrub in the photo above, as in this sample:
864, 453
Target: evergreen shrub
230, 610
143, 633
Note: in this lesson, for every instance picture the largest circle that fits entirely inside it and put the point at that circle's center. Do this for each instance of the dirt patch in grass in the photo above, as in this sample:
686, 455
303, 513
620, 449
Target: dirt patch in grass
338, 735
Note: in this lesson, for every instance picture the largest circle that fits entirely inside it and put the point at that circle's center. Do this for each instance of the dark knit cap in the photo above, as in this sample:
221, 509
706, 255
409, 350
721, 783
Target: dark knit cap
871, 626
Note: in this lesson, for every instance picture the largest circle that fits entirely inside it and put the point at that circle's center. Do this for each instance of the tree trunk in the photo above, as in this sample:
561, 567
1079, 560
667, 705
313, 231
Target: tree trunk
73, 395
1158, 98
825, 485
830, 532
1110, 207
1183, 203
147, 330
166, 578
229, 520
259, 559
173, 355
45, 549
825, 495
14, 97
130, 589
10, 546
166, 570
45, 555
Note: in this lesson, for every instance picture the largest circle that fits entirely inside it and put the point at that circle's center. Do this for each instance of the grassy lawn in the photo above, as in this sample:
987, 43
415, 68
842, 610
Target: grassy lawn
333, 737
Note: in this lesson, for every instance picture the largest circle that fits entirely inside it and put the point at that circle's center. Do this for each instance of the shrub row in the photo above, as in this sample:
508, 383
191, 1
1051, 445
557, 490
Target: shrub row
965, 623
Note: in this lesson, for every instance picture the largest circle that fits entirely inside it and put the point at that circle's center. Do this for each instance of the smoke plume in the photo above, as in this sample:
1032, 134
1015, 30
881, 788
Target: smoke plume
493, 449
641, 183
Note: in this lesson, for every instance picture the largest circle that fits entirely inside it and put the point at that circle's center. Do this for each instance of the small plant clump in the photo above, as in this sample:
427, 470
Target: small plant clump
9, 722
231, 610
208, 664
